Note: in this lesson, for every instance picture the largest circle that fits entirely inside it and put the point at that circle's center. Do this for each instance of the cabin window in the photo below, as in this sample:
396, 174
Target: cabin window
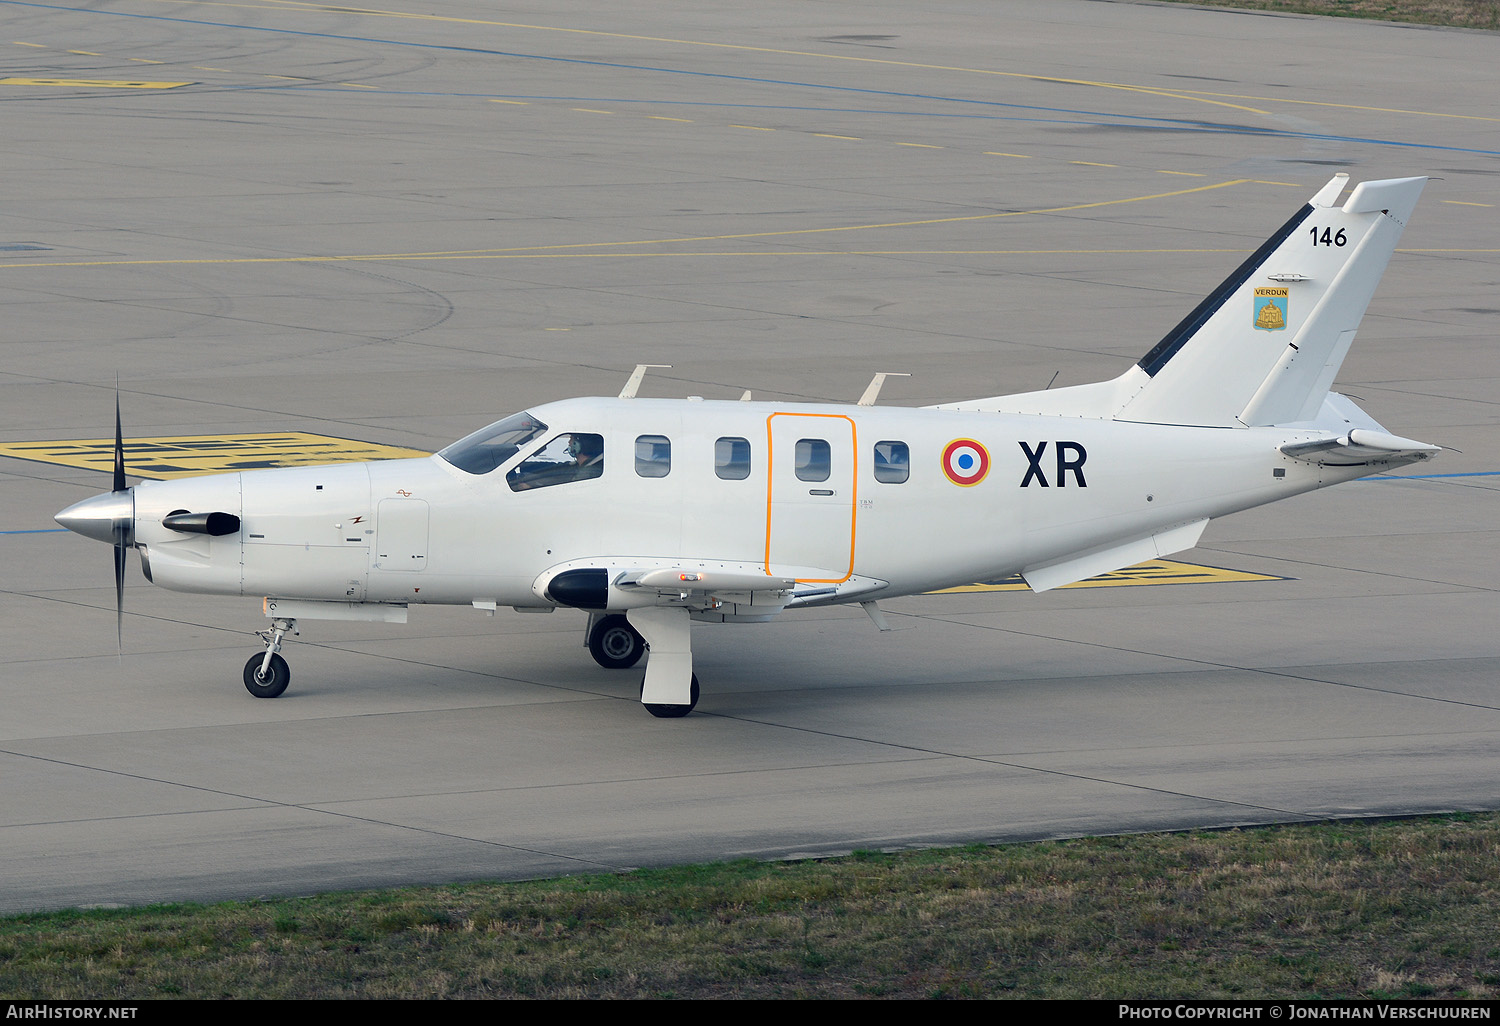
653, 456
732, 458
565, 459
490, 447
813, 459
892, 462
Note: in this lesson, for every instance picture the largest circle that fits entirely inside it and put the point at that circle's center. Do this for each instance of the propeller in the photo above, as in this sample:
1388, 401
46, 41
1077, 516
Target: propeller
110, 517
120, 529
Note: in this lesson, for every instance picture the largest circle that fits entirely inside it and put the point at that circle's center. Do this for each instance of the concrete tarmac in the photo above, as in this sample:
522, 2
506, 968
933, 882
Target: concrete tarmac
397, 229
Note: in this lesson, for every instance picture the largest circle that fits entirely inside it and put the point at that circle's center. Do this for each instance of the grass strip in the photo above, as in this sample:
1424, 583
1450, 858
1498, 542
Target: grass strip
1390, 909
1478, 14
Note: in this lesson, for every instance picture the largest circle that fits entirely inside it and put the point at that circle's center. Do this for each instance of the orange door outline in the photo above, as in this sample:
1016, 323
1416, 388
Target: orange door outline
853, 485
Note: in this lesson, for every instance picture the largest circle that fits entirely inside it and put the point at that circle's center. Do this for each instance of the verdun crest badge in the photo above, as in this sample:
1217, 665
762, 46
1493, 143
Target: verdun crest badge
1270, 309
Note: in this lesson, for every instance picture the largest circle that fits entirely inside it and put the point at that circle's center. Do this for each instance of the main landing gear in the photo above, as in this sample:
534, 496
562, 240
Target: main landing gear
618, 641
670, 688
670, 712
267, 675
614, 644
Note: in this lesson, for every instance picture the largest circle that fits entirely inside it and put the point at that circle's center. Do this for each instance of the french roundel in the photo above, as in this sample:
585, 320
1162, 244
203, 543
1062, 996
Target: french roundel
966, 462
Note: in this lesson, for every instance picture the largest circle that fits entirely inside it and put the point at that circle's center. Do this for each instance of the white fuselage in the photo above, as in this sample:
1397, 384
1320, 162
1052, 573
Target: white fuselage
424, 531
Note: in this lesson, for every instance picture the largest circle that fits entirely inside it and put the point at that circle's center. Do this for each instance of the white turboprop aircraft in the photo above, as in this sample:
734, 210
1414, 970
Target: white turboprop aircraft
652, 513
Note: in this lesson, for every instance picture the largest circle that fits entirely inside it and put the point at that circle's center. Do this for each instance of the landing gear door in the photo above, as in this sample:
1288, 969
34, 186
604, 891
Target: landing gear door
810, 496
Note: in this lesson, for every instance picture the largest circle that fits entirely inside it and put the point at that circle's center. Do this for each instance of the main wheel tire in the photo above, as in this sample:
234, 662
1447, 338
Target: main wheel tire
672, 712
615, 644
277, 677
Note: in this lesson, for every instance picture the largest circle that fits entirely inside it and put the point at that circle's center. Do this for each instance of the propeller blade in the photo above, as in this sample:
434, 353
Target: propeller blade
119, 481
119, 532
120, 587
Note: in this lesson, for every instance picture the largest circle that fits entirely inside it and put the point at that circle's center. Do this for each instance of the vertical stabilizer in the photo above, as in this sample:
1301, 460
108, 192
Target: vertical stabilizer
1264, 347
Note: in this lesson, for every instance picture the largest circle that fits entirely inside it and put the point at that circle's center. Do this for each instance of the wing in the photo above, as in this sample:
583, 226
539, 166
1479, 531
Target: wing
711, 589
620, 583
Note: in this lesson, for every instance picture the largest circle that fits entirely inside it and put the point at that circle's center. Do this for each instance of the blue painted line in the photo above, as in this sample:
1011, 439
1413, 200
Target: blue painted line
1176, 124
1421, 477
1090, 118
40, 530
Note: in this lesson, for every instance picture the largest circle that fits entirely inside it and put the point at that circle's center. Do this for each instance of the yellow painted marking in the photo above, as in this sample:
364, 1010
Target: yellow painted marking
829, 135
661, 117
201, 67
358, 85
923, 146
1340, 106
1189, 174
1156, 571
39, 46
378, 13
286, 78
590, 110
753, 128
90, 83
514, 103
1191, 96
1018, 156
1090, 163
557, 329
1461, 203
87, 53
685, 254
536, 252
189, 455
144, 60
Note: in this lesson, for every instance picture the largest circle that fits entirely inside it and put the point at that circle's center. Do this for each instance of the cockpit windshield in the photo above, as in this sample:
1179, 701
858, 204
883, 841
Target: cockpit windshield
489, 447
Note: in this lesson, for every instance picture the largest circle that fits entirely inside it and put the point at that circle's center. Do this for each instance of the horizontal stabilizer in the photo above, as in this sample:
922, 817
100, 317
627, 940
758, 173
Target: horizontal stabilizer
1360, 447
1082, 566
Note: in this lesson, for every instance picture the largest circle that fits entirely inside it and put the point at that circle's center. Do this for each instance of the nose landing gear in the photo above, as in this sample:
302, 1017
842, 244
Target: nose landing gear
267, 675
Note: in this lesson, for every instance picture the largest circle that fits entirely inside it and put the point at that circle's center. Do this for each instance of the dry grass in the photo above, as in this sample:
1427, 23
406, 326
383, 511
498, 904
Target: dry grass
1479, 14
1400, 909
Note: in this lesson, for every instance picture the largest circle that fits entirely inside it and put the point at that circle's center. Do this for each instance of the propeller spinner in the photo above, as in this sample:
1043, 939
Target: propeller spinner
109, 518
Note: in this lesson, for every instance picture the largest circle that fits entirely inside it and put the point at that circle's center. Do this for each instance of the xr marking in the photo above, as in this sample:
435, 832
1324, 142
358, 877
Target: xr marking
1065, 464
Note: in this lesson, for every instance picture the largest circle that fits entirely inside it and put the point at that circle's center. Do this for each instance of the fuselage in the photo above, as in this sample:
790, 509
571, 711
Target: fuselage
862, 502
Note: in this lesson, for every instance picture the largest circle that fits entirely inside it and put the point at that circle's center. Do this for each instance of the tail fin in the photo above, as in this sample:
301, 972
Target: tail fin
1264, 347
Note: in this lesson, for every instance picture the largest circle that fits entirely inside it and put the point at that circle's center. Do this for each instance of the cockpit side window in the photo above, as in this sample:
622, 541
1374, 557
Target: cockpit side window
577, 456
490, 447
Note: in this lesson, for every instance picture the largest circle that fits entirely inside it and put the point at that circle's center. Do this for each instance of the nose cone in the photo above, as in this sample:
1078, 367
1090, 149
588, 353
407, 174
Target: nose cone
96, 518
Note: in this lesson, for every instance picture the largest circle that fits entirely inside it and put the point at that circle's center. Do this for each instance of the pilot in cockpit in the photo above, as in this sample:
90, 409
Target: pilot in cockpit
588, 456
567, 458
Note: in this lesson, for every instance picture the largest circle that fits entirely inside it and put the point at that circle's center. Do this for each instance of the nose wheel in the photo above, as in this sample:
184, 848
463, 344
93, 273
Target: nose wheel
267, 674
267, 681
